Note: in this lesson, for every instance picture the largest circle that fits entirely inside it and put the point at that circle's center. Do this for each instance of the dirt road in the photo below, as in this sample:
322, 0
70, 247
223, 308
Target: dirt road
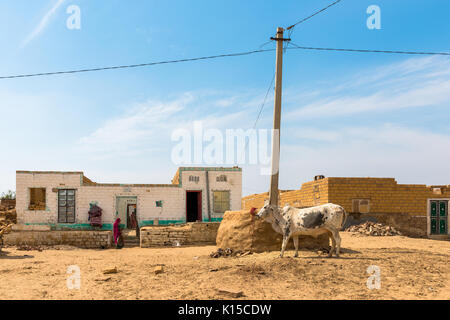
410, 269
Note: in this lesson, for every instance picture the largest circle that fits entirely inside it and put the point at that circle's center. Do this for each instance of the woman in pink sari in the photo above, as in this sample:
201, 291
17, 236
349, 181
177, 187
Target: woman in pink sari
118, 240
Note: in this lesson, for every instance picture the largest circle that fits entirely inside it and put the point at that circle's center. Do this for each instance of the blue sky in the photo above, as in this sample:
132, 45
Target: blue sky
344, 114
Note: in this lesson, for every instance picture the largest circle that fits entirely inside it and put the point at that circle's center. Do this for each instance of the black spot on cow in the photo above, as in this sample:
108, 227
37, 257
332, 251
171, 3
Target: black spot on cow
287, 232
313, 220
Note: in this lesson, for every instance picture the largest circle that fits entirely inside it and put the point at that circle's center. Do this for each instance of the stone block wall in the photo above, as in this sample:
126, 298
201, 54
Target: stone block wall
80, 239
203, 233
188, 234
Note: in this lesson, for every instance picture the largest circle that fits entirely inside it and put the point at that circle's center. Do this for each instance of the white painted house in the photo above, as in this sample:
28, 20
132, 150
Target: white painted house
62, 199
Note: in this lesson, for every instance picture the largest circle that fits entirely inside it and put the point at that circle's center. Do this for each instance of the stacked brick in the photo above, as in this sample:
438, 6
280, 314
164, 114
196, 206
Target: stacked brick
80, 239
311, 194
191, 233
164, 236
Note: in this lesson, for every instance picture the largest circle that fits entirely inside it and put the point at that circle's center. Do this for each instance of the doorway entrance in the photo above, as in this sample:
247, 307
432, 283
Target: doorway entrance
131, 216
193, 206
125, 206
439, 217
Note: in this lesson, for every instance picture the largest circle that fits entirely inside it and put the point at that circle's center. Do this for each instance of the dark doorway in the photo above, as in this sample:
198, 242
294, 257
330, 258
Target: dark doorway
131, 216
193, 206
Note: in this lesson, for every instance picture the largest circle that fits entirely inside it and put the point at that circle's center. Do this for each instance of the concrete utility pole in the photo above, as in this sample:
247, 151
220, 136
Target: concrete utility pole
273, 193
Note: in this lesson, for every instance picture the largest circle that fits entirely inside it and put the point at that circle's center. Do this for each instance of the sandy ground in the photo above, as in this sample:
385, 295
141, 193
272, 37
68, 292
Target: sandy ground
410, 269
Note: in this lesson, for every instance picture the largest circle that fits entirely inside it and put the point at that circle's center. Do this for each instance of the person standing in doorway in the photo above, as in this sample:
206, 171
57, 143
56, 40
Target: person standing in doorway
134, 222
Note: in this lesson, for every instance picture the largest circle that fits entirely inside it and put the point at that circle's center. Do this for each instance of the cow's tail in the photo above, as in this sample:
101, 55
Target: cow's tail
344, 218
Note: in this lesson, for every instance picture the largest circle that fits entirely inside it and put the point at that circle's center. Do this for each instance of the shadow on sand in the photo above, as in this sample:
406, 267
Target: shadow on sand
4, 255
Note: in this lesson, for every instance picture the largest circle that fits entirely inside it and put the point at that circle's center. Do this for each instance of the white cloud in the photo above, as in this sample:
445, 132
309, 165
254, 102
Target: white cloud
135, 129
43, 23
413, 83
388, 150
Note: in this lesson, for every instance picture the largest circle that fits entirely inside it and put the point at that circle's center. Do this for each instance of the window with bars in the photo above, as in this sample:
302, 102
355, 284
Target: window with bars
221, 201
66, 206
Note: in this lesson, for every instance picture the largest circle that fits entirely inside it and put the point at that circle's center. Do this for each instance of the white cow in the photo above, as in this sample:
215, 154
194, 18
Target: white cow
315, 221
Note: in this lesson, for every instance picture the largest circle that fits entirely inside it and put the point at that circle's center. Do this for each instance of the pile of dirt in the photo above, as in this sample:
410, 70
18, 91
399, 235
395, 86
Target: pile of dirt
8, 217
4, 208
374, 229
241, 231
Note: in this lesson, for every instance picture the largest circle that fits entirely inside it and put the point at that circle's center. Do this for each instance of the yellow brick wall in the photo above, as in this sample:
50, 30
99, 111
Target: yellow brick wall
311, 194
385, 195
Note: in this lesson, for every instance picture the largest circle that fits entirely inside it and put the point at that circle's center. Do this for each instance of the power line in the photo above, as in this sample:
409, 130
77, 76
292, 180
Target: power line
135, 65
261, 108
221, 56
264, 102
309, 17
370, 51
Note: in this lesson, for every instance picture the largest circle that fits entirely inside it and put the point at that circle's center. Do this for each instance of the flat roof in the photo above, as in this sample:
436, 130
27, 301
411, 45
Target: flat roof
50, 172
89, 183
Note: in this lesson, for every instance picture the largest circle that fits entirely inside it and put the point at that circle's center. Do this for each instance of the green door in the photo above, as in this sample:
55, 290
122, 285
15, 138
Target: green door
443, 214
438, 217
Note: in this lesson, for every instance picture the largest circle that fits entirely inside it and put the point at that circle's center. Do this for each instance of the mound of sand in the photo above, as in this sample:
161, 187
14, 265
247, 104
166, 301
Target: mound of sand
241, 231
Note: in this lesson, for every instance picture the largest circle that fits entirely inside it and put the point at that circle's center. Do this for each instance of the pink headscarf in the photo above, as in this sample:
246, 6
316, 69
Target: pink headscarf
116, 230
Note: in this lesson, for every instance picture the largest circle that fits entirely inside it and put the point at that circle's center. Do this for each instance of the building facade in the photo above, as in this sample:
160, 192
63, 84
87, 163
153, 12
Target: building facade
416, 210
62, 200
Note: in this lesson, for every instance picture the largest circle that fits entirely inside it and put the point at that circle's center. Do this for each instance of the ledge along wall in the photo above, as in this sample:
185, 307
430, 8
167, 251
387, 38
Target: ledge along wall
405, 207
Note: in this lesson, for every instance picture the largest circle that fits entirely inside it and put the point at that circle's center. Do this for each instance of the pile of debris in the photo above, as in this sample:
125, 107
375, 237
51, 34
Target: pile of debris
8, 217
26, 247
374, 229
229, 253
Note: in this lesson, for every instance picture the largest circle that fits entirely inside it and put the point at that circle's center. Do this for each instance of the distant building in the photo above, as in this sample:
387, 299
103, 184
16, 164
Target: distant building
62, 200
416, 210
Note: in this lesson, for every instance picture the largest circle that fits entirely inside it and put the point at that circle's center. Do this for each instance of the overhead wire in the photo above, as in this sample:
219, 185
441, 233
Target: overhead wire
135, 65
291, 28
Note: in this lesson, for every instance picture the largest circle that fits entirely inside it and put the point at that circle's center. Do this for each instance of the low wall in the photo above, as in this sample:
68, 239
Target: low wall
80, 239
187, 234
407, 224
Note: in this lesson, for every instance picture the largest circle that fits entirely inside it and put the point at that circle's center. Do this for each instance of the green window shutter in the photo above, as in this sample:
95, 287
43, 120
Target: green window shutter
442, 227
433, 226
442, 209
433, 208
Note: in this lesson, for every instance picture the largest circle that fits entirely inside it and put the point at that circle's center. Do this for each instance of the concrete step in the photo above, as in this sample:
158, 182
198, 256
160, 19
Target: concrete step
130, 241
